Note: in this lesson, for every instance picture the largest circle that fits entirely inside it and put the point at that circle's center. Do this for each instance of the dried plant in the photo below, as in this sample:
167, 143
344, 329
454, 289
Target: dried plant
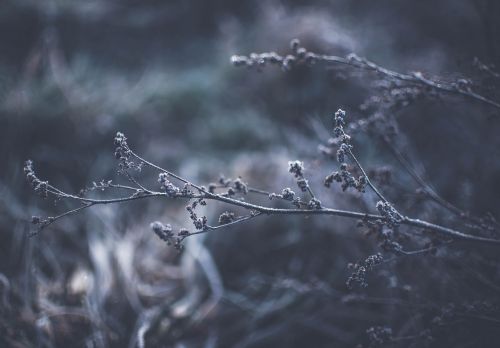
196, 194
395, 232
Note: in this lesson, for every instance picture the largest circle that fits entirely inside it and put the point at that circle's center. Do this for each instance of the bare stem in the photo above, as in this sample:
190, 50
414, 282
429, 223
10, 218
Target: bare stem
377, 192
355, 61
152, 165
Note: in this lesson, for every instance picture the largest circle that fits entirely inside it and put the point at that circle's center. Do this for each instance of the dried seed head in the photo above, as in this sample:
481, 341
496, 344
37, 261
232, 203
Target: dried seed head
240, 186
164, 232
296, 168
211, 187
226, 217
287, 194
314, 204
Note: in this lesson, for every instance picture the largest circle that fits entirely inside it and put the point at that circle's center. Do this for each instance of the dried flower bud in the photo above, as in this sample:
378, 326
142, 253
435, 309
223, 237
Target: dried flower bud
212, 187
240, 186
314, 204
238, 60
226, 217
164, 232
296, 168
328, 180
361, 183
301, 52
170, 189
288, 62
379, 336
123, 153
310, 58
339, 118
183, 233
120, 139
340, 156
338, 131
389, 213
361, 269
287, 194
40, 187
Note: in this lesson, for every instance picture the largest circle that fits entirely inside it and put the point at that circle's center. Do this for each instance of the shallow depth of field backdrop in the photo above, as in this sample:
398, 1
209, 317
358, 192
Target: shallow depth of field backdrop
73, 73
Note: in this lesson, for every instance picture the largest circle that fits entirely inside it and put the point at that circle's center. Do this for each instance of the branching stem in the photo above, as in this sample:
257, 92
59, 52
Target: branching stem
257, 209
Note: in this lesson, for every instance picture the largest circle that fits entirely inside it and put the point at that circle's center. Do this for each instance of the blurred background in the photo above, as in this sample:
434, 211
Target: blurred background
73, 73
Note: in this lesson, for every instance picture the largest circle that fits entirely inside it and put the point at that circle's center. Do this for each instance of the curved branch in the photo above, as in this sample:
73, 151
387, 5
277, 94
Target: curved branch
301, 55
44, 188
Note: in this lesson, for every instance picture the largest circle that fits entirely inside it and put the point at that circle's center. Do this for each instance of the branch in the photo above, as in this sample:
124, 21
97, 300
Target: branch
300, 55
44, 189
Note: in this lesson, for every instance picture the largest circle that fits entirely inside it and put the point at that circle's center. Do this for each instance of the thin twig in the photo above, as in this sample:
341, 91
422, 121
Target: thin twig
431, 193
368, 181
354, 60
213, 228
199, 188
